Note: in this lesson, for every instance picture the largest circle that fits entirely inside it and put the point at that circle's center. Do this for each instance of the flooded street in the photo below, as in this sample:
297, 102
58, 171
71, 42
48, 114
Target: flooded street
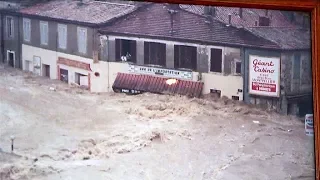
62, 132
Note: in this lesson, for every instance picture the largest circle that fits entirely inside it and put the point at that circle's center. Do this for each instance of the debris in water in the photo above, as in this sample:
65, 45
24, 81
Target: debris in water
256, 122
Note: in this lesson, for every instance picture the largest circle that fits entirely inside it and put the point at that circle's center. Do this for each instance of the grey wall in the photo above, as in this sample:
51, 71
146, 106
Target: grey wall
72, 46
12, 44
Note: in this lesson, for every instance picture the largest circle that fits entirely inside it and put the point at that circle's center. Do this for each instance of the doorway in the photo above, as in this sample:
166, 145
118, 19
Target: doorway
46, 70
37, 65
64, 75
10, 58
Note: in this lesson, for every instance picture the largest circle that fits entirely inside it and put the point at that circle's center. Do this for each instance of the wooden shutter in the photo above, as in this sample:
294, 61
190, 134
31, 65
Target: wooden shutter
60, 36
79, 37
65, 36
46, 33
42, 36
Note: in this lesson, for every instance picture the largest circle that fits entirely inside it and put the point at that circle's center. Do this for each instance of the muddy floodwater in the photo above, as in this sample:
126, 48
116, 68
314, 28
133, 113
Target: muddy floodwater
65, 133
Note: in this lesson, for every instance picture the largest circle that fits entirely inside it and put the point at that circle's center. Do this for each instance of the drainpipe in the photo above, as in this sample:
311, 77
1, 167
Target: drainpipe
108, 61
20, 43
2, 38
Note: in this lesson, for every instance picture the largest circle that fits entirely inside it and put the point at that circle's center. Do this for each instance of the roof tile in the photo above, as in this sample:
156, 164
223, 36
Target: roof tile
90, 11
155, 20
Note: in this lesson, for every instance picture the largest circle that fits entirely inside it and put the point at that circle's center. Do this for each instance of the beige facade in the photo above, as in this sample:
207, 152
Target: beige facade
107, 72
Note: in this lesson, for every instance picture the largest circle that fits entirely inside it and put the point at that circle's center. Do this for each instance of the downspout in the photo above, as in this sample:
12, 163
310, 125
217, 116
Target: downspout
20, 43
108, 62
2, 38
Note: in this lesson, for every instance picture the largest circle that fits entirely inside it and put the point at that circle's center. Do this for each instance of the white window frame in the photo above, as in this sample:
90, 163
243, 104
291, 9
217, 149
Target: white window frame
82, 40
44, 35
26, 29
12, 26
62, 38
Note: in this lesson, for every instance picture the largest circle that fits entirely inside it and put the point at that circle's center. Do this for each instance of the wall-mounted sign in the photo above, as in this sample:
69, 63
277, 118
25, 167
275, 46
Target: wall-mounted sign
170, 73
73, 63
264, 76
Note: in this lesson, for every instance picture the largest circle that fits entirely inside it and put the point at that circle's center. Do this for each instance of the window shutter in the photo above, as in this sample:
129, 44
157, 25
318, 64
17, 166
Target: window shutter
65, 37
46, 33
24, 29
42, 33
79, 39
29, 30
59, 36
85, 40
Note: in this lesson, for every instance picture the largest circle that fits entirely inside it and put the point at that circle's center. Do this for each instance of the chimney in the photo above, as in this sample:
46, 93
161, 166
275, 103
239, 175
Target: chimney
229, 19
240, 12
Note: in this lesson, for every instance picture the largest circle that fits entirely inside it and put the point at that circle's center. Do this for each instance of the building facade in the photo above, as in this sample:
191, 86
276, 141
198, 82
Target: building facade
88, 43
59, 39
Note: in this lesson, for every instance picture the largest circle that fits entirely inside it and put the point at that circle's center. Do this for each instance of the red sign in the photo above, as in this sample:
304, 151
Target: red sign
264, 77
264, 87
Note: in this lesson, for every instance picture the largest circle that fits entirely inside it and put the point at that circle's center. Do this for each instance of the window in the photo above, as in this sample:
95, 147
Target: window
9, 27
185, 57
237, 67
26, 29
82, 40
155, 53
296, 66
44, 30
126, 50
216, 60
62, 36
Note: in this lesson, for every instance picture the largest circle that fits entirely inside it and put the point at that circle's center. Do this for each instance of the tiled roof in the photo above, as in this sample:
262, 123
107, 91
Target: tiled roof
90, 11
154, 20
287, 38
249, 15
280, 31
